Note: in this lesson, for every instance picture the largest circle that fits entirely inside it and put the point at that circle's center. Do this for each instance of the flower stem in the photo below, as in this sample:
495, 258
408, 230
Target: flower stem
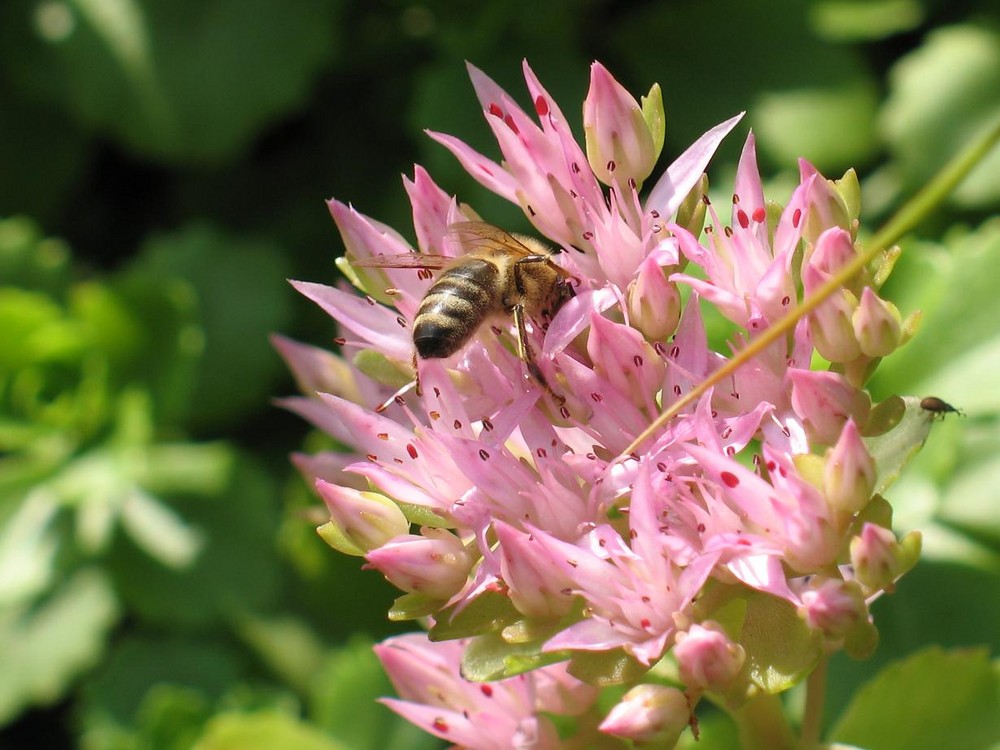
903, 221
763, 726
812, 718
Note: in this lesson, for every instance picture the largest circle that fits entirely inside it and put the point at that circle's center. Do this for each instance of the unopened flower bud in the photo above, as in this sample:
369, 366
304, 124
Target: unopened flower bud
434, 563
879, 559
359, 521
832, 327
536, 585
833, 606
834, 249
707, 658
824, 401
654, 304
878, 325
828, 208
620, 142
849, 472
623, 357
649, 713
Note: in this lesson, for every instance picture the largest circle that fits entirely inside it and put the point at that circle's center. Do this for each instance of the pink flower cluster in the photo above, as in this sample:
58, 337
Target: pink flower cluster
751, 511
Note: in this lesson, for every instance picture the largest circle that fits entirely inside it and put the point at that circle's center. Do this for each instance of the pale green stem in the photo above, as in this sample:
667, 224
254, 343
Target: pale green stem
763, 726
904, 220
812, 718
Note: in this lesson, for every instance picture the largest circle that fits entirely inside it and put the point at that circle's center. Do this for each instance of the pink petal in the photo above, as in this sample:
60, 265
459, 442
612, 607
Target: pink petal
374, 323
681, 176
432, 209
486, 172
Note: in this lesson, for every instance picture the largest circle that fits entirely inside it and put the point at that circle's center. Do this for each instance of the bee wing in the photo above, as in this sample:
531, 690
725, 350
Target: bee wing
404, 260
478, 235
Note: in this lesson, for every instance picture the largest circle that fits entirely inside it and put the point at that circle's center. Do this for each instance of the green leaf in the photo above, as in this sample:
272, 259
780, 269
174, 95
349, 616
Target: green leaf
605, 668
489, 657
781, 650
29, 545
830, 125
487, 613
413, 607
35, 330
160, 531
893, 449
862, 20
421, 515
931, 700
29, 260
116, 691
655, 117
954, 353
241, 290
971, 460
171, 717
189, 80
265, 730
44, 649
286, 644
172, 343
942, 95
238, 527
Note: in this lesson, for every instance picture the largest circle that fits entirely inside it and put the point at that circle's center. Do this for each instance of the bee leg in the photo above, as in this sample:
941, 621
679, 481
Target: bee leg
524, 349
527, 354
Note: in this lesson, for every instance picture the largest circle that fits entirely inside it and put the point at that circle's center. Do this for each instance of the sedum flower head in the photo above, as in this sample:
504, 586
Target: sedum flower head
541, 522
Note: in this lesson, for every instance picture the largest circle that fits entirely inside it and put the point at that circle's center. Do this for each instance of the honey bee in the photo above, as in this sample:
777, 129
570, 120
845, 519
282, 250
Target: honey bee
500, 274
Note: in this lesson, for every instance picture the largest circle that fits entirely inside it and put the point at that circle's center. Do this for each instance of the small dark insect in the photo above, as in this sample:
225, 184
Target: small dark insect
937, 407
499, 275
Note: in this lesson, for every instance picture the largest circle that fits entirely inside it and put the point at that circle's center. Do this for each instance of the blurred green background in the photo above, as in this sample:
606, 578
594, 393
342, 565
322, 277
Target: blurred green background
163, 166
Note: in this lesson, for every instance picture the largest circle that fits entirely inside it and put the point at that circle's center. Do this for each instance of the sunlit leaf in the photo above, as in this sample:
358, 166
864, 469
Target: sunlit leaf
43, 649
932, 700
942, 95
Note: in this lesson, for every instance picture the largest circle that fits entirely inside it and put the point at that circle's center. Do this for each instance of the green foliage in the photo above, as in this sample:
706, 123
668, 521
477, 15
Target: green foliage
931, 700
780, 648
184, 81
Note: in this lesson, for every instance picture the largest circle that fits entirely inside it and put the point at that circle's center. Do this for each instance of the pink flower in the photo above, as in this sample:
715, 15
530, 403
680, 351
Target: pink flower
480, 716
537, 511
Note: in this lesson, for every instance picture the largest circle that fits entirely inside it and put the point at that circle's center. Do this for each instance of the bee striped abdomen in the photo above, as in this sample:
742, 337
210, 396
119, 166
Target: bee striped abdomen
454, 307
